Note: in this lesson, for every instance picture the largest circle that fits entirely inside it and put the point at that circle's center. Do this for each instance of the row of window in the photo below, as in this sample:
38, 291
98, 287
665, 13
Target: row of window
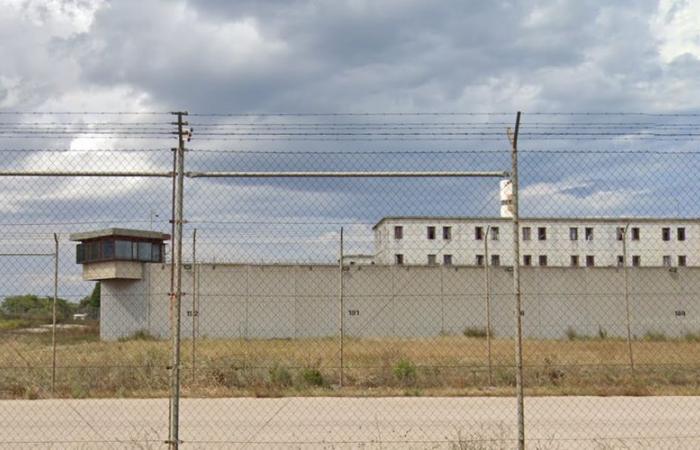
588, 233
115, 249
574, 260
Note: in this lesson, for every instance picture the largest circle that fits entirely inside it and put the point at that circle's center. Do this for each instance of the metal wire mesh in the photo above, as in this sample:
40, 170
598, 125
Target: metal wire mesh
349, 311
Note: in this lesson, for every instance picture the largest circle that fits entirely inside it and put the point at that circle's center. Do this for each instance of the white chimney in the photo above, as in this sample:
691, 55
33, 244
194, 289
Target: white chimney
506, 198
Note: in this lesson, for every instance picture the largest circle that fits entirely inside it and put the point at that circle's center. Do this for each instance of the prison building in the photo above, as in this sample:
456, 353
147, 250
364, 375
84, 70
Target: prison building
544, 241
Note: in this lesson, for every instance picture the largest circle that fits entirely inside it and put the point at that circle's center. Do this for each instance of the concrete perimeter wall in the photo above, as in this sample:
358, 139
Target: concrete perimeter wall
288, 301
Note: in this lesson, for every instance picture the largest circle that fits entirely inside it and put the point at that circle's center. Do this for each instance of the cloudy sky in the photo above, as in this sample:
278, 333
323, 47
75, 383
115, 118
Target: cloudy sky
252, 56
340, 57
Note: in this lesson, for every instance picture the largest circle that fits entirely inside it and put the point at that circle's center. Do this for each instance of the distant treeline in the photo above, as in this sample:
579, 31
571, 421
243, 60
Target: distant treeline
40, 308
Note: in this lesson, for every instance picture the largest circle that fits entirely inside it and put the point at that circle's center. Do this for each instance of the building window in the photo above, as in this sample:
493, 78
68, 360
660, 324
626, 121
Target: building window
574, 261
447, 233
479, 260
495, 260
635, 233
573, 234
636, 260
80, 254
543, 260
478, 233
589, 233
527, 231
398, 232
398, 258
542, 234
447, 260
494, 233
108, 249
432, 260
681, 234
431, 233
620, 233
620, 260
590, 260
666, 234
527, 260
666, 260
145, 251
122, 250
681, 261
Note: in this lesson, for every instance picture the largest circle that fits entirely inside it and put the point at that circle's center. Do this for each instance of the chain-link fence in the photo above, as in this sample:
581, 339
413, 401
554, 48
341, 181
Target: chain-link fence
349, 281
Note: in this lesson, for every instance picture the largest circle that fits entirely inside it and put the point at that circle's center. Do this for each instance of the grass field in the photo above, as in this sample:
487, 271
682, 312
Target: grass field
449, 365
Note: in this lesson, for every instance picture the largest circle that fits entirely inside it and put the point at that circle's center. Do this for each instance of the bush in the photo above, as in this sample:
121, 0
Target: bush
571, 334
405, 371
279, 376
140, 335
602, 334
475, 332
312, 377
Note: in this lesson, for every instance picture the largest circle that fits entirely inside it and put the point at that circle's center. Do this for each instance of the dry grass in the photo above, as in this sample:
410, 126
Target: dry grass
446, 365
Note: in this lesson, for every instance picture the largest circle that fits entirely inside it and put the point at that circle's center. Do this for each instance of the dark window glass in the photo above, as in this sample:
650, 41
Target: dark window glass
681, 234
431, 233
495, 260
542, 233
574, 260
93, 251
398, 232
399, 259
527, 260
590, 261
156, 253
635, 233
589, 233
682, 261
478, 233
108, 249
80, 253
636, 260
527, 233
479, 260
543, 260
144, 251
447, 260
666, 234
447, 233
122, 250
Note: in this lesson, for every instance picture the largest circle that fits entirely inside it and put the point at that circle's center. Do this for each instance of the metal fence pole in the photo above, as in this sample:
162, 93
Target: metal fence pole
487, 289
341, 306
516, 288
625, 271
53, 323
176, 295
195, 311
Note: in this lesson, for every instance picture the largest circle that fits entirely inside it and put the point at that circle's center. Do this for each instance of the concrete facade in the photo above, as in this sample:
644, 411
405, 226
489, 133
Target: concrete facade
644, 240
298, 301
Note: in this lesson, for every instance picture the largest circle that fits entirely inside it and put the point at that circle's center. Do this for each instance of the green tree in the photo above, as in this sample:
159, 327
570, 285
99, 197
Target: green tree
35, 307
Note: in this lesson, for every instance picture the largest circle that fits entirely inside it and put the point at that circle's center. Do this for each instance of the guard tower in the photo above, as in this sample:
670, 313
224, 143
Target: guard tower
118, 253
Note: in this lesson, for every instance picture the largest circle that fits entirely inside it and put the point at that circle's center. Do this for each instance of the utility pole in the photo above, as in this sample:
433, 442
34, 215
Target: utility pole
195, 310
176, 292
516, 285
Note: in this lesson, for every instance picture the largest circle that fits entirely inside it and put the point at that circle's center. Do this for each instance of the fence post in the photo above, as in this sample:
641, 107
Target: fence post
176, 293
195, 310
625, 271
53, 315
342, 307
487, 289
516, 287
